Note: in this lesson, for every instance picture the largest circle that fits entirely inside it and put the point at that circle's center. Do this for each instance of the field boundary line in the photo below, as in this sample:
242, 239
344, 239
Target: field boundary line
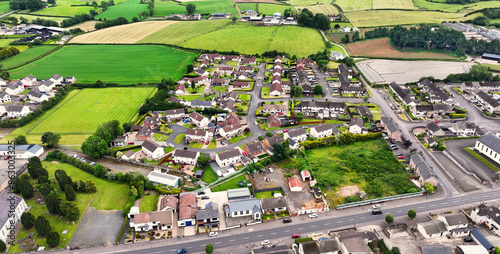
37, 58
56, 108
137, 111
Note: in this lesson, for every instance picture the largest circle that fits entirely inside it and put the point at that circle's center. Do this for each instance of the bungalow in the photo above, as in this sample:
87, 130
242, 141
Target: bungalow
173, 99
214, 56
14, 89
277, 72
457, 224
180, 89
144, 133
248, 69
168, 202
298, 135
187, 210
17, 111
488, 216
157, 177
47, 86
276, 204
404, 95
335, 56
364, 111
11, 207
489, 145
230, 130
227, 158
321, 246
208, 217
435, 130
152, 122
225, 71
152, 220
278, 66
129, 155
185, 157
463, 129
273, 121
321, 131
422, 170
254, 148
270, 141
244, 207
174, 114
197, 135
220, 82
431, 229
276, 89
153, 150
275, 109
241, 75
70, 80
433, 110
231, 58
276, 79
201, 104
240, 84
250, 60
4, 97
36, 96
356, 125
353, 245
295, 185
29, 80
197, 80
57, 79
201, 72
199, 120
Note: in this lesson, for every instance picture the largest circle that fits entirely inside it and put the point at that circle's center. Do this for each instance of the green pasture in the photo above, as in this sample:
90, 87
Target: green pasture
395, 17
4, 6
464, 8
357, 5
309, 2
166, 8
64, 11
268, 9
128, 10
26, 56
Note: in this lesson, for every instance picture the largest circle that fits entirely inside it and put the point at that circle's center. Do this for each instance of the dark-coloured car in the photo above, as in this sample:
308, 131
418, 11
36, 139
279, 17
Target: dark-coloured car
376, 211
205, 197
184, 250
468, 240
201, 193
287, 220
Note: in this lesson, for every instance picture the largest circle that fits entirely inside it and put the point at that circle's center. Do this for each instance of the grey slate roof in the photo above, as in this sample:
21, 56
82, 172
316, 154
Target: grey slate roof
297, 132
185, 154
207, 214
433, 127
323, 127
436, 249
255, 147
487, 98
201, 104
274, 139
491, 141
310, 247
457, 219
15, 108
356, 121
364, 111
5, 205
272, 203
229, 154
251, 204
150, 145
328, 245
174, 111
434, 227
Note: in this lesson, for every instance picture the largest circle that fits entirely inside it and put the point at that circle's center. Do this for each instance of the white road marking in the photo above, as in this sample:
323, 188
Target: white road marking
246, 237
232, 240
287, 230
260, 235
273, 233
339, 221
326, 224
350, 219
300, 228
217, 243
363, 217
313, 226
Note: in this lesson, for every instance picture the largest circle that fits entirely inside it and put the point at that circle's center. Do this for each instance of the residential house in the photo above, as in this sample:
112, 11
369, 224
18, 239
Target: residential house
197, 80
157, 177
355, 245
270, 141
119, 141
275, 109
187, 210
11, 208
3, 110
276, 89
278, 59
489, 104
152, 220
29, 80
276, 204
436, 95
273, 121
201, 104
244, 207
435, 228
435, 249
254, 148
392, 131
295, 185
232, 118
278, 66
200, 136
220, 82
4, 97
227, 158
489, 145
306, 176
277, 72
356, 125
232, 58
70, 80
144, 133
430, 111
168, 202
152, 122
129, 155
14, 89
298, 135
208, 217
230, 131
457, 224
321, 109
223, 71
345, 29
241, 75
240, 84
153, 150
321, 131
488, 216
204, 64
199, 120
336, 56
404, 95
275, 249
35, 96
185, 157
215, 56
487, 87
321, 246
248, 60
17, 111
174, 114
22, 151
180, 89
422, 170
248, 69
464, 129
434, 130
364, 111
343, 69
173, 99
47, 86
57, 79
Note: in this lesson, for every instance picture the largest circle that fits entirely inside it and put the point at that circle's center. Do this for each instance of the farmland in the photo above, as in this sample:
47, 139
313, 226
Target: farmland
326, 9
358, 5
165, 8
128, 10
309, 2
293, 40
86, 26
267, 9
125, 64
4, 6
64, 11
463, 8
395, 17
32, 17
26, 56
182, 31
381, 48
130, 33
88, 108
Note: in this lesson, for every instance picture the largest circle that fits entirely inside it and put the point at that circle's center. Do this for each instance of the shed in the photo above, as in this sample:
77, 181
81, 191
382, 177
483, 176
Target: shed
199, 173
163, 178
241, 193
306, 176
479, 238
295, 185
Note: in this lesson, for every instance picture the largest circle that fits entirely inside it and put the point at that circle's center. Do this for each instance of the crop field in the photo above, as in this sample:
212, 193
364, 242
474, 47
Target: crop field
326, 9
309, 2
85, 26
92, 106
358, 5
4, 6
64, 11
257, 1
128, 10
182, 31
165, 8
124, 64
395, 17
130, 33
247, 39
26, 56
463, 8
381, 48
267, 9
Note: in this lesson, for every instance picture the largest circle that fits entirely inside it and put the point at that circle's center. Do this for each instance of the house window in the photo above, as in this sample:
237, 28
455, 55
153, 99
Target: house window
241, 212
248, 212
235, 213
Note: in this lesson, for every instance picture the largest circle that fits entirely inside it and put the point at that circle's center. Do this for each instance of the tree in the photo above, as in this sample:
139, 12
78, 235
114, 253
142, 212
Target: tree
296, 91
51, 1
70, 193
429, 188
42, 226
63, 179
99, 170
21, 140
133, 191
280, 152
412, 214
389, 219
299, 116
481, 21
203, 160
261, 138
35, 168
190, 8
3, 247
209, 248
53, 239
269, 134
69, 210
52, 203
26, 189
395, 250
345, 39
234, 19
366, 99
135, 19
190, 68
355, 36
27, 220
497, 250
318, 89
94, 146
288, 12
50, 139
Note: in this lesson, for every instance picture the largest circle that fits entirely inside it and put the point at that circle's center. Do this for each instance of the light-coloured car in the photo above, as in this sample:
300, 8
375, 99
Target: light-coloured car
266, 242
213, 234
313, 215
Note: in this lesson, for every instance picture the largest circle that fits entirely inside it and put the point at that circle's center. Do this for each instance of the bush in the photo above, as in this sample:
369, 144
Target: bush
130, 203
53, 239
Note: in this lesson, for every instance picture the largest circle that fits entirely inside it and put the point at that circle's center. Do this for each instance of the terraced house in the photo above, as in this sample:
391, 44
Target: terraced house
197, 135
185, 157
321, 131
227, 158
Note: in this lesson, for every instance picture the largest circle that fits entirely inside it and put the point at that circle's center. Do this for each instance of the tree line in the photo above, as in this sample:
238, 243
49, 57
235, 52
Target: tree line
308, 19
96, 145
31, 5
8, 52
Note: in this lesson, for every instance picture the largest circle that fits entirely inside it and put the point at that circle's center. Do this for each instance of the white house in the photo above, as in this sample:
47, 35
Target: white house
356, 125
463, 129
435, 228
4, 97
488, 216
152, 220
227, 158
47, 86
456, 224
277, 15
186, 157
230, 130
275, 108
321, 131
70, 79
174, 114
3, 110
37, 97
489, 145
29, 80
11, 208
199, 120
299, 135
276, 204
14, 89
153, 150
168, 202
157, 177
57, 79
17, 111
244, 207
129, 155
22, 151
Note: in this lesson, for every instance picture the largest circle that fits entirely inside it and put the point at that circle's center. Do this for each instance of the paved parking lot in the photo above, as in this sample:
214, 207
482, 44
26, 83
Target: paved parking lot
92, 232
466, 182
219, 198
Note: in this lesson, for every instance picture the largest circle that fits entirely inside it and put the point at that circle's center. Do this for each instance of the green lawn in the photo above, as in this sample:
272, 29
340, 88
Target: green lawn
267, 9
91, 107
195, 145
168, 149
244, 97
4, 6
128, 10
212, 145
236, 139
400, 17
482, 159
26, 56
231, 184
189, 97
64, 11
165, 8
265, 92
219, 88
159, 137
179, 138
266, 194
148, 203
125, 64
209, 176
32, 17
308, 2
356, 5
464, 8
198, 89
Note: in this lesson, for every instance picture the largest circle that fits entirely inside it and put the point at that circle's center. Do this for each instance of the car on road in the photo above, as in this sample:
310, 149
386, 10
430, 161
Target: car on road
212, 234
376, 210
313, 215
287, 220
266, 242
6, 157
453, 121
212, 158
286, 130
400, 157
131, 143
184, 250
201, 193
296, 236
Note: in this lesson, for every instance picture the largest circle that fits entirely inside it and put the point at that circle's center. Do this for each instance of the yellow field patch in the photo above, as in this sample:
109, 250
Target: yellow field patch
130, 33
86, 26
326, 9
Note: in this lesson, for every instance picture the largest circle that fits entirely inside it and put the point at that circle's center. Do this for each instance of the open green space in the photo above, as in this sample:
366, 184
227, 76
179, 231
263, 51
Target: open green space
128, 10
209, 176
87, 109
166, 8
400, 17
179, 138
195, 145
308, 2
125, 64
189, 97
148, 203
357, 5
64, 11
482, 159
244, 97
266, 194
231, 184
237, 138
219, 88
297, 40
4, 6
464, 8
212, 145
32, 17
26, 56
267, 9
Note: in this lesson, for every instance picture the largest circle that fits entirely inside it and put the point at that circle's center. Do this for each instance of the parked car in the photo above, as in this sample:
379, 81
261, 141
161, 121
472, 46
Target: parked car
184, 250
453, 121
6, 157
131, 143
400, 157
201, 193
286, 130
296, 236
287, 220
211, 234
266, 242
399, 154
468, 240
313, 215
205, 197
394, 148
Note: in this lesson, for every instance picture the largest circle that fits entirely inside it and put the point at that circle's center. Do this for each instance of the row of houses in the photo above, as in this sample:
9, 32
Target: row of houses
346, 83
278, 86
485, 101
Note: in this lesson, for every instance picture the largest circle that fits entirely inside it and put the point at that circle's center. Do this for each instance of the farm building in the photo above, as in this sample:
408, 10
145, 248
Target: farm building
295, 185
158, 177
306, 176
489, 56
22, 151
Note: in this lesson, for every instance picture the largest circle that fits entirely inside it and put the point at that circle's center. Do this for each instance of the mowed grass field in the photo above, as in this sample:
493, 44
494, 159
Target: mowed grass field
128, 10
64, 11
381, 48
4, 6
166, 8
326, 9
26, 56
268, 9
298, 41
357, 5
124, 64
90, 107
32, 17
463, 8
130, 33
309, 2
395, 17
